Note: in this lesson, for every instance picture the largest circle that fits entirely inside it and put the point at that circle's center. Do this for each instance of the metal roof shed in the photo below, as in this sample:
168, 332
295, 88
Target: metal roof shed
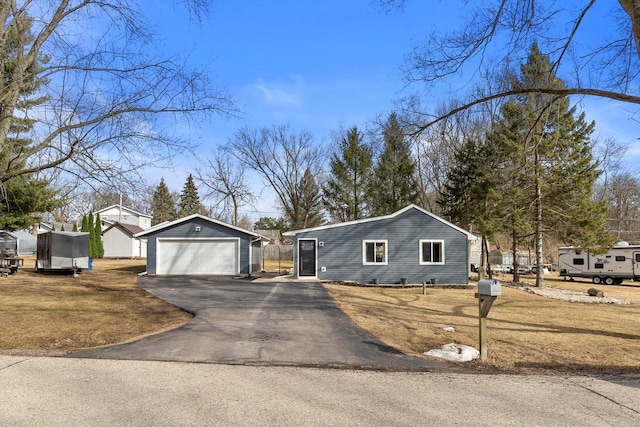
17, 243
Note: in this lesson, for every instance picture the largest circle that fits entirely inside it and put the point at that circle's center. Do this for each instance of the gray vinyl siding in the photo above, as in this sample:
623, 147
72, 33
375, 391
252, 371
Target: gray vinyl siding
340, 251
117, 244
207, 230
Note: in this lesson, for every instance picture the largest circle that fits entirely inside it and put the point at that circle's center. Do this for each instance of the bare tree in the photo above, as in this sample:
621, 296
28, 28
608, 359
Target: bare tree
622, 193
501, 31
225, 184
103, 93
282, 157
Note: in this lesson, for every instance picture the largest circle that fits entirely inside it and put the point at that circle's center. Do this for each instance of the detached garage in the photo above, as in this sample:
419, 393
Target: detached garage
198, 245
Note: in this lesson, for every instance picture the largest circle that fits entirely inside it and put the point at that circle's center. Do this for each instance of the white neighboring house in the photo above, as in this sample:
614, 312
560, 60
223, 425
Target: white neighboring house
118, 213
119, 224
119, 242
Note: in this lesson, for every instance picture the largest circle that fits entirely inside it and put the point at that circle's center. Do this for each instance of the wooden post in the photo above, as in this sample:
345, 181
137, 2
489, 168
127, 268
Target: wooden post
484, 305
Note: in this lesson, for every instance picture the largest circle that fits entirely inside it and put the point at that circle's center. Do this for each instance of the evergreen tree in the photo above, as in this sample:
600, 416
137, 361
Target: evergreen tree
310, 202
351, 166
189, 199
394, 183
23, 197
99, 245
62, 228
23, 200
162, 205
92, 236
557, 146
53, 227
75, 227
85, 224
269, 223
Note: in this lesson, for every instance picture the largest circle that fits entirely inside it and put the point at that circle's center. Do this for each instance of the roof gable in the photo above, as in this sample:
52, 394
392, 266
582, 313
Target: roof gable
124, 209
129, 229
169, 224
470, 236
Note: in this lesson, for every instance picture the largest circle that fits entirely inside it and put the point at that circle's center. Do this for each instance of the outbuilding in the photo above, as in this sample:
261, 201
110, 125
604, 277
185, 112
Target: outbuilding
118, 241
411, 245
17, 243
198, 245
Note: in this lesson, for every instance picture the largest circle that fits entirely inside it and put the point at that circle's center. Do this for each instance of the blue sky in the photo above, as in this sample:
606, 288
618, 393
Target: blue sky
318, 65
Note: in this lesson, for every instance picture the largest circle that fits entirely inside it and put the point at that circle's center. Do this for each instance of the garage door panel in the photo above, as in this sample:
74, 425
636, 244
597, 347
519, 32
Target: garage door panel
192, 256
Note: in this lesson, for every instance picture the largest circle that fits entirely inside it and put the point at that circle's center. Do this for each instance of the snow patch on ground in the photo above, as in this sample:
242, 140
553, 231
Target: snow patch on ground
572, 296
455, 353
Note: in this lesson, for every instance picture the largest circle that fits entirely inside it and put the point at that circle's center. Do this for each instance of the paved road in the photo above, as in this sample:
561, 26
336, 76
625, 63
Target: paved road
259, 323
90, 392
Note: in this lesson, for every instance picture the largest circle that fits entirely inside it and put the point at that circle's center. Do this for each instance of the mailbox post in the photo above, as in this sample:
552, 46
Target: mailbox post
488, 291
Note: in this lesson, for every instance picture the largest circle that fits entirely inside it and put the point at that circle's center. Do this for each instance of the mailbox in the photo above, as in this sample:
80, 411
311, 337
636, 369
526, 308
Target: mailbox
489, 287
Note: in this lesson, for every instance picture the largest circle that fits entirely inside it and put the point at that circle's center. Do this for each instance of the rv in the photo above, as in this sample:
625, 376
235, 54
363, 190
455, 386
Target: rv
622, 262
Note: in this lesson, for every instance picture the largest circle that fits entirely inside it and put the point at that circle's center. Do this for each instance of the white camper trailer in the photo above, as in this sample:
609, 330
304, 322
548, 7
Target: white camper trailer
622, 262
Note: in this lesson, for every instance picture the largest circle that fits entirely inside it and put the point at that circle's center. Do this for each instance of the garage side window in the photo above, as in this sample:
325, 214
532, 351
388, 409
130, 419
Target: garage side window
374, 252
431, 252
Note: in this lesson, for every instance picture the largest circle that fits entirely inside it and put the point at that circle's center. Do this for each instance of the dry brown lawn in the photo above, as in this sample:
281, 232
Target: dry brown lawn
48, 312
274, 266
526, 332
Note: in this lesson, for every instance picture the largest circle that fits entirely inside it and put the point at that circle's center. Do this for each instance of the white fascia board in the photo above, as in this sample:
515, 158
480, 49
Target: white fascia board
188, 218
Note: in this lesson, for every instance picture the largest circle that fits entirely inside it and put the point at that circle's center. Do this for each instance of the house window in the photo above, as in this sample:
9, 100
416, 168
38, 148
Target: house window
374, 252
578, 261
431, 252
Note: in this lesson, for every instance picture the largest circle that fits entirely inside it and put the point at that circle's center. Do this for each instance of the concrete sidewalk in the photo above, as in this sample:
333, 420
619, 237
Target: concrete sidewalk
89, 392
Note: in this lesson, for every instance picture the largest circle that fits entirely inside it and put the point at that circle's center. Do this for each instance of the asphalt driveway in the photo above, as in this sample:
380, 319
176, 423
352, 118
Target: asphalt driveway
238, 321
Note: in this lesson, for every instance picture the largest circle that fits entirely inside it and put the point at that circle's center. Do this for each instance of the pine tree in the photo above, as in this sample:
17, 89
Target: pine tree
545, 178
75, 227
162, 205
85, 224
310, 202
351, 166
62, 228
99, 245
394, 183
189, 199
23, 197
564, 172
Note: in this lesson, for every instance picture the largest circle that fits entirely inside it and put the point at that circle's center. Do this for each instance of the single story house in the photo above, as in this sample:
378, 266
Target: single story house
118, 241
200, 245
411, 245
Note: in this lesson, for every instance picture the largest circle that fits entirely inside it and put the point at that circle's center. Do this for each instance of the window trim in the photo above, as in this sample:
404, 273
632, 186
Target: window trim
421, 258
364, 252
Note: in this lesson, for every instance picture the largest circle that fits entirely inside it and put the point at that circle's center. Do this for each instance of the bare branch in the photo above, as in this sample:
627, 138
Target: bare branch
521, 91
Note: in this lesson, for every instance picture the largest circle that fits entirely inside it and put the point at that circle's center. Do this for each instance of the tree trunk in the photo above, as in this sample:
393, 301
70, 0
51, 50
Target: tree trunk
514, 250
485, 246
539, 277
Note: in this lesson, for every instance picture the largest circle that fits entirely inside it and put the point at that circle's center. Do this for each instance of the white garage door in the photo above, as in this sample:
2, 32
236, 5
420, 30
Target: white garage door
197, 256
